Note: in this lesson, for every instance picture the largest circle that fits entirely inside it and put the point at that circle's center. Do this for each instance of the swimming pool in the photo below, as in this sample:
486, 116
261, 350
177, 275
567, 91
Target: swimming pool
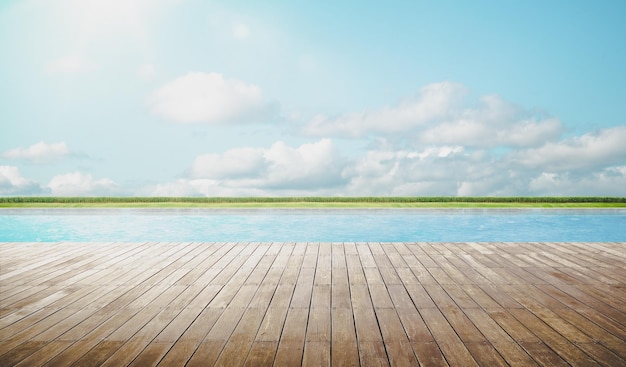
335, 225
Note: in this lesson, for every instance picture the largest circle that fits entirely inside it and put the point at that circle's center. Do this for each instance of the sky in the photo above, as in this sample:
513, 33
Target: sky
312, 98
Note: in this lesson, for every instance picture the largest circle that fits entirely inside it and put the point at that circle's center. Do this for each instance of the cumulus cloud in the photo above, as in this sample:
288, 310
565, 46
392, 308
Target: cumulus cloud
80, 184
448, 170
437, 144
590, 164
494, 122
39, 153
210, 98
309, 169
595, 150
430, 171
309, 166
433, 103
438, 116
12, 183
71, 64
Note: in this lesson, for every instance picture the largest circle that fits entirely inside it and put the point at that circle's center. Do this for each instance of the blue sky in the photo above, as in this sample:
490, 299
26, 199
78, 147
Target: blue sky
248, 98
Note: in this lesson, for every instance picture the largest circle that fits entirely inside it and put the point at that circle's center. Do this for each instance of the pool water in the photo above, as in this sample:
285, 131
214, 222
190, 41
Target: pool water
336, 225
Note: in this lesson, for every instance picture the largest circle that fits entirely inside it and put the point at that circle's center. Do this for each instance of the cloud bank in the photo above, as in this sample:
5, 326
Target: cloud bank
430, 145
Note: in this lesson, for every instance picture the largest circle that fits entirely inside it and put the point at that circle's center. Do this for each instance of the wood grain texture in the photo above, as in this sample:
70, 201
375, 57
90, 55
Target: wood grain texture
314, 304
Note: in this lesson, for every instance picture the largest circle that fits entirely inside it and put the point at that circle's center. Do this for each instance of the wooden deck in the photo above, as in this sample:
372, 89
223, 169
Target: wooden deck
313, 304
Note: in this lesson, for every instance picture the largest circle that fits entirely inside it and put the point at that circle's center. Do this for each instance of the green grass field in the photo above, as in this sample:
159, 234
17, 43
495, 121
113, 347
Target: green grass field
313, 202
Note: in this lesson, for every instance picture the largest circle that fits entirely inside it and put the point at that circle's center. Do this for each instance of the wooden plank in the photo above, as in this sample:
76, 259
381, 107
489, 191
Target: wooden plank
262, 353
236, 349
453, 349
486, 355
318, 327
187, 344
464, 327
499, 338
551, 304
340, 291
14, 337
272, 325
397, 344
367, 329
564, 348
15, 355
379, 296
429, 354
320, 297
400, 297
459, 296
421, 298
356, 275
291, 345
304, 288
597, 333
316, 354
151, 355
207, 353
42, 355
93, 357
372, 353
344, 343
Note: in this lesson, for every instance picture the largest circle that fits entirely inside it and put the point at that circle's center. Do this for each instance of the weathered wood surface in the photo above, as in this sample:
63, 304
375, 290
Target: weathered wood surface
313, 304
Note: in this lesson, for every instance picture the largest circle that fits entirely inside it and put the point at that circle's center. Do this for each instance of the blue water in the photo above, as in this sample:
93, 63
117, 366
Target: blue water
385, 225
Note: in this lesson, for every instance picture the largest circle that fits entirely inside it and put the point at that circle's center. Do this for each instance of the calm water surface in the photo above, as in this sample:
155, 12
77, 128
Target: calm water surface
337, 225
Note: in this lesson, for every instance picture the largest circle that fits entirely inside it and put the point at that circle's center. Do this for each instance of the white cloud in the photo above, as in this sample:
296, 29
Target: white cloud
210, 98
80, 184
40, 153
309, 166
12, 183
431, 171
434, 102
438, 117
606, 182
72, 64
312, 168
591, 164
450, 170
146, 71
494, 123
587, 152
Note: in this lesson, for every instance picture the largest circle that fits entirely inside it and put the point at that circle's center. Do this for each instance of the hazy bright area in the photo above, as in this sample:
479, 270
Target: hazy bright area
309, 98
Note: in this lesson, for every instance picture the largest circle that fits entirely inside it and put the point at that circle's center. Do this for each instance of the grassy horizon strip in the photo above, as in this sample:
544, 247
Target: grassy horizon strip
312, 199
